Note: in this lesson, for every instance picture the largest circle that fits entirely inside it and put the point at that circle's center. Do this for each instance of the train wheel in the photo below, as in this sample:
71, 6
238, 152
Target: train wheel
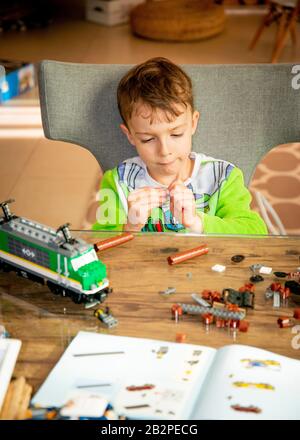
4, 267
77, 299
54, 288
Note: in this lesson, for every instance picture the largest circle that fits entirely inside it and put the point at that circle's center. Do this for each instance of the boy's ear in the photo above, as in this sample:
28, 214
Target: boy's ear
127, 134
195, 120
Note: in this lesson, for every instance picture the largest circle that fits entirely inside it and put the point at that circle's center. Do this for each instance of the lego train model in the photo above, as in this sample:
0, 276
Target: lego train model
68, 266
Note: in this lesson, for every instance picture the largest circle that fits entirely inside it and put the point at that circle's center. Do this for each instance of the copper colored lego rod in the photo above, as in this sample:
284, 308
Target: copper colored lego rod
186, 255
112, 242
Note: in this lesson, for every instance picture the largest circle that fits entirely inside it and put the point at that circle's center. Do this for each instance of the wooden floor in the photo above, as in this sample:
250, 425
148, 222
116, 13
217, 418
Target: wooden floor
47, 184
82, 41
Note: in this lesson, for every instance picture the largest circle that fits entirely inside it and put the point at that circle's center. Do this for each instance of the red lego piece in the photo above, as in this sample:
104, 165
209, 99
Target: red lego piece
297, 313
211, 295
284, 322
206, 294
233, 323
248, 287
208, 318
243, 326
180, 337
220, 323
275, 287
176, 311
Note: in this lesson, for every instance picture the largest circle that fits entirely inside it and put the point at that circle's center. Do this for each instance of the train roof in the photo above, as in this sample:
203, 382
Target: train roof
44, 236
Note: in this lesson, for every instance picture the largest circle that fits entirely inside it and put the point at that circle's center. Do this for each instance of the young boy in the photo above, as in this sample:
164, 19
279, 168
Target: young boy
167, 187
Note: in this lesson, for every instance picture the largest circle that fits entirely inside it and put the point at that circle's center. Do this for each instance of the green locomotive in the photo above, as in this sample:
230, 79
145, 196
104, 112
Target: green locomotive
68, 266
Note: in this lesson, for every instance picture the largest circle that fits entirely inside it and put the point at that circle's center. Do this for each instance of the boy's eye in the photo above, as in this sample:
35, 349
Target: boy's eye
177, 134
144, 141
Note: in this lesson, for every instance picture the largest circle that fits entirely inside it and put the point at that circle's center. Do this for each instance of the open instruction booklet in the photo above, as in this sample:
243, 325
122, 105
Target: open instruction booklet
150, 379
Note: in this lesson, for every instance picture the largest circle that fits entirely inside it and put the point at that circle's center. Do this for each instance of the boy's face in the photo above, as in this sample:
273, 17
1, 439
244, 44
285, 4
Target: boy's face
163, 146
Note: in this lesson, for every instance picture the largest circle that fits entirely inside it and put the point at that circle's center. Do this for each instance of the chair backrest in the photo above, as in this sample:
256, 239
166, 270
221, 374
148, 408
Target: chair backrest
246, 110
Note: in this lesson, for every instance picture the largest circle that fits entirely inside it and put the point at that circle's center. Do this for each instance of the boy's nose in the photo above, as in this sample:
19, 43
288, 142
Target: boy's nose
163, 148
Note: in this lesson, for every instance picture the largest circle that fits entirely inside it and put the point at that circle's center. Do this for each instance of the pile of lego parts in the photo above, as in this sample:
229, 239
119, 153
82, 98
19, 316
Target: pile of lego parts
17, 400
222, 309
177, 20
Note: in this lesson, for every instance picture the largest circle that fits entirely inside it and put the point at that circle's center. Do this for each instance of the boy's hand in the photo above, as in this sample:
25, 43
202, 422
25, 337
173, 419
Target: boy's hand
140, 204
183, 206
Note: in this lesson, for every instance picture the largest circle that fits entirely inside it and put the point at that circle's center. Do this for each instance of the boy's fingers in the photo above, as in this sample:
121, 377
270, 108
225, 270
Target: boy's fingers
177, 184
148, 188
177, 181
149, 203
148, 197
152, 202
144, 192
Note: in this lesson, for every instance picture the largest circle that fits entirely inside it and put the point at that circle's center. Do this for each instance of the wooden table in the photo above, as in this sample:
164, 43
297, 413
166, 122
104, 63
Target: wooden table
138, 270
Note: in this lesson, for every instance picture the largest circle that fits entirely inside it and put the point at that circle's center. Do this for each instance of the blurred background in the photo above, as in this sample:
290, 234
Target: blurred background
54, 182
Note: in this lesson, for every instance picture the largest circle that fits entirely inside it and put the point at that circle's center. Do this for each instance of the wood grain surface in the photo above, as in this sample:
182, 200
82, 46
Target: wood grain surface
138, 271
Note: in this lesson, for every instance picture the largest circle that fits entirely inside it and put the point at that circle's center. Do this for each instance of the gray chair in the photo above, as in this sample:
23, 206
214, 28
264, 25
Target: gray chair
246, 110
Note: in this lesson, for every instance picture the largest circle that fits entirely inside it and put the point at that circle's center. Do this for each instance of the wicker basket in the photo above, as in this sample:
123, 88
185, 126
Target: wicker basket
177, 20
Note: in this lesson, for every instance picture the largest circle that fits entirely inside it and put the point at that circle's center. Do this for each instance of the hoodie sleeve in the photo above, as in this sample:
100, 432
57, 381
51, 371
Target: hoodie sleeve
111, 214
233, 214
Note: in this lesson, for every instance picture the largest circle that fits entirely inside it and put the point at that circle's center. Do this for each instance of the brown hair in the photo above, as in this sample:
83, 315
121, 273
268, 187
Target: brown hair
158, 83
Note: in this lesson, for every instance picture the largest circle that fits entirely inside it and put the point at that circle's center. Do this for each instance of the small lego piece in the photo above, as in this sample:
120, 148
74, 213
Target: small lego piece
269, 293
176, 311
242, 298
180, 337
294, 276
220, 323
237, 258
106, 317
293, 286
218, 268
168, 291
200, 301
243, 326
275, 287
112, 242
229, 307
186, 255
280, 274
219, 312
256, 279
212, 296
265, 270
248, 287
234, 324
283, 293
284, 322
208, 318
255, 267
276, 299
297, 313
